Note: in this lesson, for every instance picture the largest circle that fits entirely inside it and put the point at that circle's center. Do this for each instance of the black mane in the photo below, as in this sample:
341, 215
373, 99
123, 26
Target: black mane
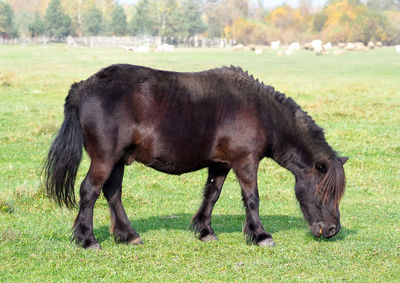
312, 134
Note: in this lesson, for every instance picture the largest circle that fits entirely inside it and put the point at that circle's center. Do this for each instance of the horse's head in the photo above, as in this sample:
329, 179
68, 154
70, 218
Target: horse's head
319, 192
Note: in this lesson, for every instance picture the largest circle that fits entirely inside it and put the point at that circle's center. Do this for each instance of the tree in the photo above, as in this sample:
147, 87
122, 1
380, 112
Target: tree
38, 26
7, 27
318, 21
393, 18
76, 9
285, 17
340, 21
58, 24
118, 22
191, 18
215, 22
169, 19
143, 20
107, 8
354, 21
373, 25
92, 22
384, 5
247, 31
221, 16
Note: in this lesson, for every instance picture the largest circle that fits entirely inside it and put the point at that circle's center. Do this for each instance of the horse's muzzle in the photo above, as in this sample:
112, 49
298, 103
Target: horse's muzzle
327, 230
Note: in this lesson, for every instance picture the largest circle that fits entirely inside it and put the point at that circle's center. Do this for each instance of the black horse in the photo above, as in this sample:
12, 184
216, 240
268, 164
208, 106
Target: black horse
219, 119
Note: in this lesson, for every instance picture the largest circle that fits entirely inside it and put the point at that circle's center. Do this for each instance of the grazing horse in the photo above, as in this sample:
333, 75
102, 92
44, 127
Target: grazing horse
220, 119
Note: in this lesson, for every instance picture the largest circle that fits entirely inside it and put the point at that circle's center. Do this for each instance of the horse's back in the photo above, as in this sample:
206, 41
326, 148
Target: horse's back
173, 122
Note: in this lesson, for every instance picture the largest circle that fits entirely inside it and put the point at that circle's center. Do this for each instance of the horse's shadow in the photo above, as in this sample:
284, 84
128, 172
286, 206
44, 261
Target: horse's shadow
221, 224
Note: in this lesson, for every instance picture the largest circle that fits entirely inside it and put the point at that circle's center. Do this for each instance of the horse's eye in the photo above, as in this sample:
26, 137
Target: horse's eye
321, 166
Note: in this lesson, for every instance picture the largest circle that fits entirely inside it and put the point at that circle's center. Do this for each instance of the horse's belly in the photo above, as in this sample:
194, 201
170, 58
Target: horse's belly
170, 162
174, 168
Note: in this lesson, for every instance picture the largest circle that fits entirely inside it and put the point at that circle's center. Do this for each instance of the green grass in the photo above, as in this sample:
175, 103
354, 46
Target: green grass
354, 96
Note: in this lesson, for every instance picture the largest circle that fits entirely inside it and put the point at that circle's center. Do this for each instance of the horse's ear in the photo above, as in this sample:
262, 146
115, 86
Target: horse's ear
321, 165
343, 159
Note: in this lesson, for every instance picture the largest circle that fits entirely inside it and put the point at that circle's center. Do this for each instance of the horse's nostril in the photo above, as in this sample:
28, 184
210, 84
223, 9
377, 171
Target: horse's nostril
331, 230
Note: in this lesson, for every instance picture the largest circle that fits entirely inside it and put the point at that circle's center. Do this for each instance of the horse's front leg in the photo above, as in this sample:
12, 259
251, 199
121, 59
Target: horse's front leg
246, 172
201, 222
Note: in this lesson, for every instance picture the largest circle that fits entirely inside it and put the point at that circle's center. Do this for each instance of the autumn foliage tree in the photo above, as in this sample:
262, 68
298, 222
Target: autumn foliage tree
238, 21
248, 31
352, 21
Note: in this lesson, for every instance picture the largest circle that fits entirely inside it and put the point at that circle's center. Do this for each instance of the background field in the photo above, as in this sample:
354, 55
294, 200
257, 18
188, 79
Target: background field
354, 96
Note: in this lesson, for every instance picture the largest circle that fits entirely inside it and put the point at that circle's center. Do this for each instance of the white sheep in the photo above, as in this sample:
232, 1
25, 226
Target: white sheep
258, 51
371, 45
275, 44
317, 46
165, 48
327, 46
142, 49
350, 46
294, 46
288, 52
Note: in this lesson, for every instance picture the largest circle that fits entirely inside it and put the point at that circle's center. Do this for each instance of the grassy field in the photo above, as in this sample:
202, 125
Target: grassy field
354, 96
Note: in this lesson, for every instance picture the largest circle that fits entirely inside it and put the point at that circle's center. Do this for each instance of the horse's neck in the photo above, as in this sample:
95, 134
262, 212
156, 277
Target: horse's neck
298, 141
292, 157
293, 149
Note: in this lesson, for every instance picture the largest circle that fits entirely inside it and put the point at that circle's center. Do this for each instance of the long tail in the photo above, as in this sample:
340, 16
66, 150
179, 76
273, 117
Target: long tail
65, 155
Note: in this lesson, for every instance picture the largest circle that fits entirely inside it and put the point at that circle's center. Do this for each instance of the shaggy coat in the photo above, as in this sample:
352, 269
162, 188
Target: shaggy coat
219, 119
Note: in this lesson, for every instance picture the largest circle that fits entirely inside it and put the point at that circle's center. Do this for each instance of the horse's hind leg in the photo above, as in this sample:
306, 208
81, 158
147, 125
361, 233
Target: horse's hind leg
201, 222
89, 192
120, 225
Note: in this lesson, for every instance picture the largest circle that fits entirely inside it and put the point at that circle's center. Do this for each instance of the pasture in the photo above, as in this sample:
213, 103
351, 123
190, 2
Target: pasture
355, 97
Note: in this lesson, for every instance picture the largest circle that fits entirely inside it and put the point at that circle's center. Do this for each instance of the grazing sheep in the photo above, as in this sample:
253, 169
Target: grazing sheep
360, 46
258, 51
317, 46
251, 47
288, 52
327, 46
397, 48
294, 46
238, 47
350, 46
165, 48
307, 46
371, 45
142, 49
275, 44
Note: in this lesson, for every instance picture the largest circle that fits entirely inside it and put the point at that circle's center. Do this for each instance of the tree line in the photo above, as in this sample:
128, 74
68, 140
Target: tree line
244, 21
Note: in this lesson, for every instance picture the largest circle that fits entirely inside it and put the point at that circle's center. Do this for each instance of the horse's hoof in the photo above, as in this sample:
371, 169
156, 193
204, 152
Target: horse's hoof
266, 243
209, 238
95, 246
136, 241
